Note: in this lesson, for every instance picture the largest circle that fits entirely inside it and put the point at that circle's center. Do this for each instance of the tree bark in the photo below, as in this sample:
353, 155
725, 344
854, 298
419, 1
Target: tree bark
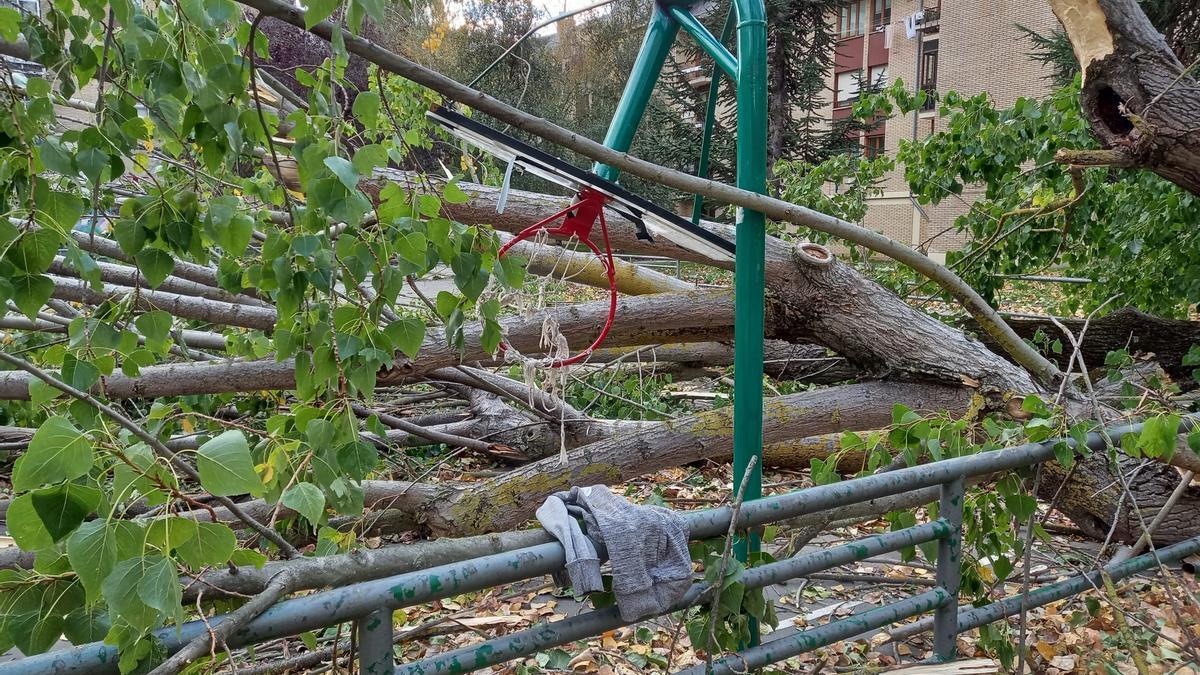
1138, 99
1165, 340
781, 360
509, 500
698, 316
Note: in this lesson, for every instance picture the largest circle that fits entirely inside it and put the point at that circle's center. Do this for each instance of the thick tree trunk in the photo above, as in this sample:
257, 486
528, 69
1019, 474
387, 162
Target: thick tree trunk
1137, 97
509, 500
1165, 340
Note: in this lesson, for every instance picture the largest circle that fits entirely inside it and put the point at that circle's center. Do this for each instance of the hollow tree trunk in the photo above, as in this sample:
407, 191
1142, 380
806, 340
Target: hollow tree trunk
1137, 98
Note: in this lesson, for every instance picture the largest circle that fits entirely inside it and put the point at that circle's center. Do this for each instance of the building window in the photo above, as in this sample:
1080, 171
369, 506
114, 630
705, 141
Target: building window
877, 78
881, 13
847, 88
873, 146
929, 67
851, 17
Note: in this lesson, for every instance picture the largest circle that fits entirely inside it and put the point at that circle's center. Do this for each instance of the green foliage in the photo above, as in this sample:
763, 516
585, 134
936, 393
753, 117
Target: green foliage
853, 180
1128, 231
180, 136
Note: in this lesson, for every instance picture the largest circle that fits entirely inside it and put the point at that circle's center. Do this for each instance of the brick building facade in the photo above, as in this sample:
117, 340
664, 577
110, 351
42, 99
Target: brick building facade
967, 46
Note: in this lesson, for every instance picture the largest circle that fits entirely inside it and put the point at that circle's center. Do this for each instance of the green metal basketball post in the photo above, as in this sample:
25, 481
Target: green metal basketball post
748, 70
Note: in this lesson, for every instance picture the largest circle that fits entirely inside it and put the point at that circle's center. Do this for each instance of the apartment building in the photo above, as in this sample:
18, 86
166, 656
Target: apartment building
967, 46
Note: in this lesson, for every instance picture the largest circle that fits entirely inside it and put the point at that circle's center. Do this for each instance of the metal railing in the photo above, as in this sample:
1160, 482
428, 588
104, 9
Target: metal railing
370, 603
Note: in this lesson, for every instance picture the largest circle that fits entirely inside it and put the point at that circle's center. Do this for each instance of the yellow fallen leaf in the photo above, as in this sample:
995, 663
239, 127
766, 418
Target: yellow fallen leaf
1046, 649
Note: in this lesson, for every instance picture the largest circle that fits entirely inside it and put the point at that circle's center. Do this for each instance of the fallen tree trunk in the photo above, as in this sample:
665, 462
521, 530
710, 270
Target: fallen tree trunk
1167, 340
509, 500
698, 316
781, 360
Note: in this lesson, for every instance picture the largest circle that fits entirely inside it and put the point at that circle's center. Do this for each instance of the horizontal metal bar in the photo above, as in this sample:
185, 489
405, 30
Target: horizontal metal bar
774, 651
554, 633
707, 41
327, 608
974, 617
714, 522
315, 611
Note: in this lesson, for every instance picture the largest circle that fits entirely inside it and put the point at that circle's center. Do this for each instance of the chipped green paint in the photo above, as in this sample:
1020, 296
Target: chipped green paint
435, 584
481, 656
404, 592
374, 622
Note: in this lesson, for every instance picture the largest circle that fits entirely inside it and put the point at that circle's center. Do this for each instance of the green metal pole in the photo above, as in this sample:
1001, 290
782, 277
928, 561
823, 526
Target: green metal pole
710, 118
707, 41
660, 35
749, 275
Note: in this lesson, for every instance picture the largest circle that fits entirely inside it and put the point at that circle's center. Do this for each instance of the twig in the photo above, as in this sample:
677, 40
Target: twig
1024, 620
235, 620
1139, 659
1129, 551
720, 583
286, 549
428, 434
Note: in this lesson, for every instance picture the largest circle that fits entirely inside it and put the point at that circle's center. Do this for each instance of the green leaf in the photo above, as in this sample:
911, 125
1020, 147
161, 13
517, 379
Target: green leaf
142, 590
407, 334
226, 467
30, 293
366, 107
40, 518
97, 546
902, 415
41, 393
318, 11
79, 374
155, 265
412, 247
358, 459
58, 211
32, 613
54, 156
155, 326
244, 557
63, 507
1159, 435
85, 625
510, 270
10, 24
213, 545
35, 250
58, 452
368, 157
373, 8
167, 534
307, 500
344, 170
1033, 404
454, 194
446, 303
